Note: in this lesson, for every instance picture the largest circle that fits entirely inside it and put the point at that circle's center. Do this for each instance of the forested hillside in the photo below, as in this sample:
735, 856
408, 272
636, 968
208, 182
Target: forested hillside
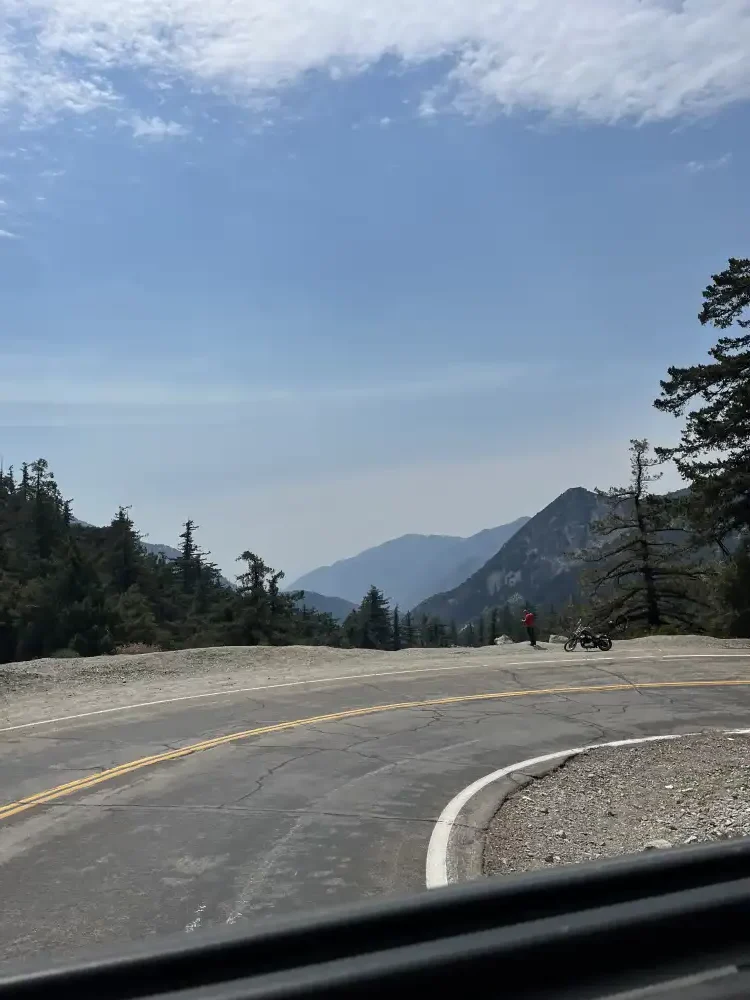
69, 588
84, 590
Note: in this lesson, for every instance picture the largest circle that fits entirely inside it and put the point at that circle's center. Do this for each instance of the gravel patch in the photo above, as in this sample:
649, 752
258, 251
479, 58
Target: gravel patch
620, 800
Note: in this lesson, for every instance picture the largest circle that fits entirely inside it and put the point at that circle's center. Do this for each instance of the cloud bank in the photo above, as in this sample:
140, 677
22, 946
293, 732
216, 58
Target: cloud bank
592, 60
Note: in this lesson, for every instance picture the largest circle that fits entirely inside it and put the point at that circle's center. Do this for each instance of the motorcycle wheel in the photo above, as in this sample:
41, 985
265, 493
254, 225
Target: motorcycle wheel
570, 645
605, 643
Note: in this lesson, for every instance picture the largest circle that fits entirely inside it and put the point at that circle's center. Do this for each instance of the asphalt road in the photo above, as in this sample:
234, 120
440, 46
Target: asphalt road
311, 811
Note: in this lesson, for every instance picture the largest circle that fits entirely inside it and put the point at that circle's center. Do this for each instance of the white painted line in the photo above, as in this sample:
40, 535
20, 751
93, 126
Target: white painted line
436, 868
594, 658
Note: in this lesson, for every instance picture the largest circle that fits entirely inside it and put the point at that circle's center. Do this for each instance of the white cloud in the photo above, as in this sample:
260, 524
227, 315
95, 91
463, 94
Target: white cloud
597, 60
5, 235
699, 166
155, 128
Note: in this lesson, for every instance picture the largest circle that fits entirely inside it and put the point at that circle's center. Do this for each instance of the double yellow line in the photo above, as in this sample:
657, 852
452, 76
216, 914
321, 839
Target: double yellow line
91, 781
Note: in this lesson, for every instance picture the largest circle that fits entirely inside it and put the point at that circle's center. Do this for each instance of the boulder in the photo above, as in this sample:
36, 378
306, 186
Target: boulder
503, 640
558, 638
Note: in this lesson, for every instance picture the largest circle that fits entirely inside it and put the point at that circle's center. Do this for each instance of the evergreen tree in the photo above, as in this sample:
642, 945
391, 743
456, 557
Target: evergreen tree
351, 631
124, 555
638, 568
265, 614
375, 620
68, 585
733, 588
396, 629
25, 485
188, 565
436, 634
408, 631
714, 450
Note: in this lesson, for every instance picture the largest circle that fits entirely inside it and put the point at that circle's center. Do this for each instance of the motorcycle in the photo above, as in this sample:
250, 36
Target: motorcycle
587, 638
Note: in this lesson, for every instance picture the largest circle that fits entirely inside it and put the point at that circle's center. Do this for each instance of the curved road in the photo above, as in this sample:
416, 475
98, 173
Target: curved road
236, 808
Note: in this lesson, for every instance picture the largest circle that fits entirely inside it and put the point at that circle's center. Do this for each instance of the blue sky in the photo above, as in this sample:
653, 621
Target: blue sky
316, 274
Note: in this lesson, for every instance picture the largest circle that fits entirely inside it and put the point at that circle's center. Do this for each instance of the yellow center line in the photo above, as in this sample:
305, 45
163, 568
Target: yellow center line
83, 784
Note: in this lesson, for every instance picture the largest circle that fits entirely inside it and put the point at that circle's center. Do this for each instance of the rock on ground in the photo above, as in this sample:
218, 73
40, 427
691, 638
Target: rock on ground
620, 800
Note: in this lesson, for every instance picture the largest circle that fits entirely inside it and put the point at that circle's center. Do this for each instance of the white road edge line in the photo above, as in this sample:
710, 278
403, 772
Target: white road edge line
436, 867
594, 658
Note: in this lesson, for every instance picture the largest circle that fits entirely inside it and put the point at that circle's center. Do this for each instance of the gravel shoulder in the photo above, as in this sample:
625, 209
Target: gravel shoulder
39, 689
620, 800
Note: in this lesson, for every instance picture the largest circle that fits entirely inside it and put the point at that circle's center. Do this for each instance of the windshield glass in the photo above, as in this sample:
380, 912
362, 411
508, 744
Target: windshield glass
375, 395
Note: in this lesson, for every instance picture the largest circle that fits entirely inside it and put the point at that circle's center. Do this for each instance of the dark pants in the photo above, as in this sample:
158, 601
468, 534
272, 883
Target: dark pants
532, 634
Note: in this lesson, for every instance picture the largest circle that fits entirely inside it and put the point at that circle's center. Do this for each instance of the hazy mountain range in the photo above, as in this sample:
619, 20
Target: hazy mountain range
534, 566
453, 578
410, 568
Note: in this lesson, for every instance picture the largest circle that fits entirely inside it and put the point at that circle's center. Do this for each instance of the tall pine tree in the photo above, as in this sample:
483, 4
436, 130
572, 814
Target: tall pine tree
639, 568
714, 450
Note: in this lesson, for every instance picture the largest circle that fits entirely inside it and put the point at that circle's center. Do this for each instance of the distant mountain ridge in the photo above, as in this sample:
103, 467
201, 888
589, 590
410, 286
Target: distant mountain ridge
410, 568
338, 607
534, 566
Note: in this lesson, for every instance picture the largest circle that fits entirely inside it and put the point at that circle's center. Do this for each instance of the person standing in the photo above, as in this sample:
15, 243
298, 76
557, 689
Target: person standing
530, 622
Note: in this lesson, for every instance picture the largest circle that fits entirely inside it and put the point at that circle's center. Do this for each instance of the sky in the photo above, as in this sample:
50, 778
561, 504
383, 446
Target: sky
318, 273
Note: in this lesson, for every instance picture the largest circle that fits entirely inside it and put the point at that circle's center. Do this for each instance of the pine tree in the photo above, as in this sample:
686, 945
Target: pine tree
714, 449
408, 631
375, 620
47, 515
188, 565
436, 634
396, 629
125, 553
638, 569
734, 593
265, 615
25, 484
351, 630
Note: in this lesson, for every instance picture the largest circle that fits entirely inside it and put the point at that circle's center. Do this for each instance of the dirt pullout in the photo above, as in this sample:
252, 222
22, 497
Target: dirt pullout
46, 688
620, 800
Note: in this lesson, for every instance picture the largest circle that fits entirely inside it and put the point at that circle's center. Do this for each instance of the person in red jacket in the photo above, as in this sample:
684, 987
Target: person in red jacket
530, 622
